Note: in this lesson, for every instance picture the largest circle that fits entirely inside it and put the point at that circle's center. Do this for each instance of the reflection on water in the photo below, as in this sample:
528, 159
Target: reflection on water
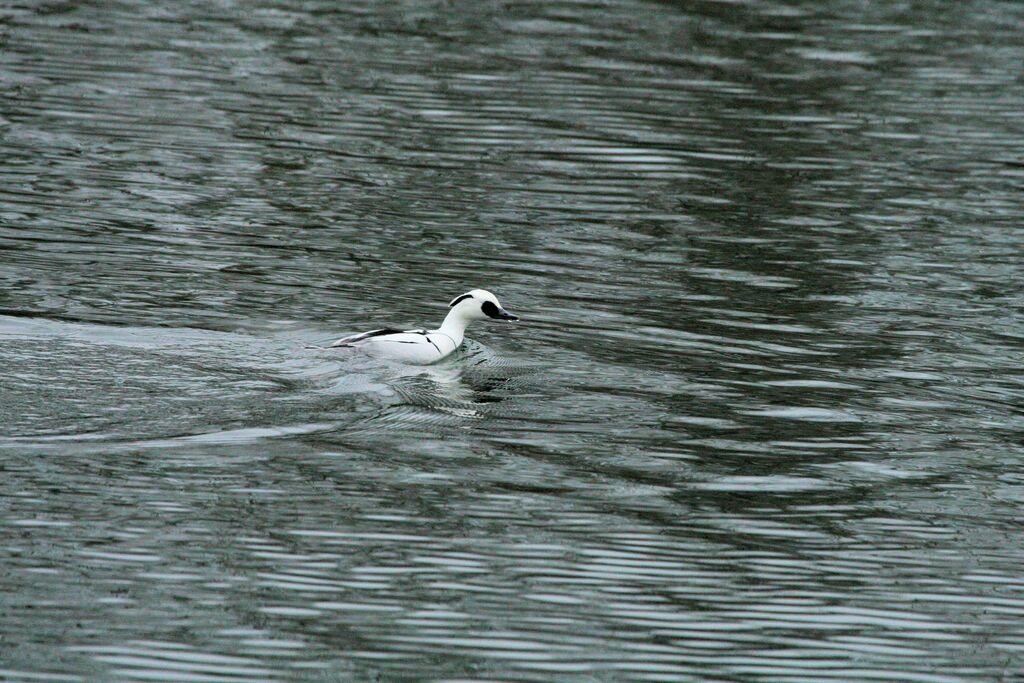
759, 421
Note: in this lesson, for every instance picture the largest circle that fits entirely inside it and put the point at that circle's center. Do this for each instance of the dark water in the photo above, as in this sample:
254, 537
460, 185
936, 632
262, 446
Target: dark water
761, 422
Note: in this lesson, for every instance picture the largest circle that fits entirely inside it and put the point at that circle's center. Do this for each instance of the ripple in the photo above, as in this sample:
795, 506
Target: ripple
804, 413
763, 484
148, 660
758, 421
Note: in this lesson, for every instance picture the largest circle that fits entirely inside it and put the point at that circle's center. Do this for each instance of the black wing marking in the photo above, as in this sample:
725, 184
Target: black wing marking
355, 338
352, 339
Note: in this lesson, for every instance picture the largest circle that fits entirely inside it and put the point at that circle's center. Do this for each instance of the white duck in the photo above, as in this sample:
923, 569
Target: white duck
427, 346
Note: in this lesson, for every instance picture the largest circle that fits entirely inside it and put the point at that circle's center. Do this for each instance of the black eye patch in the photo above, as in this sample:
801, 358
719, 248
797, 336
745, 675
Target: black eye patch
459, 298
489, 309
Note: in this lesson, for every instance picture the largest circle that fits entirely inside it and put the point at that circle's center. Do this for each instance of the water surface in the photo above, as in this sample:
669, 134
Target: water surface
761, 420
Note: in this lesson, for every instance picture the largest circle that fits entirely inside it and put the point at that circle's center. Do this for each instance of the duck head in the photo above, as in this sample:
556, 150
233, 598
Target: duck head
479, 304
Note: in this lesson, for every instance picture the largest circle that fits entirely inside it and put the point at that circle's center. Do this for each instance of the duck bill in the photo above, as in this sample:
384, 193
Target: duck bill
505, 315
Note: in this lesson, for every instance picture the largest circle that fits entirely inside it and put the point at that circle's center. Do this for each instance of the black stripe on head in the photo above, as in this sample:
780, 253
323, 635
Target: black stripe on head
459, 298
490, 310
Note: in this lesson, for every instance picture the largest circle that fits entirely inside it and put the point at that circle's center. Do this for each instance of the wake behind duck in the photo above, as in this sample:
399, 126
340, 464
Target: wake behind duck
428, 346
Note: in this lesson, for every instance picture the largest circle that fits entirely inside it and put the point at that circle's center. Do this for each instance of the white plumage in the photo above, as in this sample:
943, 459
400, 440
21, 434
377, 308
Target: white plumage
428, 346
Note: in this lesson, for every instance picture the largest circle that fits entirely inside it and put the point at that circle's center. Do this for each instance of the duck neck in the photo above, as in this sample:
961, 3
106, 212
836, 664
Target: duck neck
454, 326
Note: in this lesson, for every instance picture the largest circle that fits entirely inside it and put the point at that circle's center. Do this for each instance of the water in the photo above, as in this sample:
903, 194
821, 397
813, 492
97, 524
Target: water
761, 420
